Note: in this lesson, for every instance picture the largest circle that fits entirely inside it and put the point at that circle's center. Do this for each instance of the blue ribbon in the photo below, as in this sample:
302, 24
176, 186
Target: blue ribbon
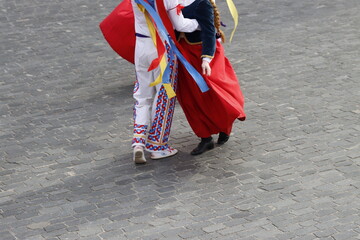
173, 49
167, 72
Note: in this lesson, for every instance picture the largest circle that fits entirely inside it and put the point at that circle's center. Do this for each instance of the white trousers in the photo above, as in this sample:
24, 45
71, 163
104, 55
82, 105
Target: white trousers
153, 111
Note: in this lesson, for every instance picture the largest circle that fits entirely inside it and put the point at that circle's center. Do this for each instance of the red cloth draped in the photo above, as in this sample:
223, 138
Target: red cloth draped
215, 110
119, 30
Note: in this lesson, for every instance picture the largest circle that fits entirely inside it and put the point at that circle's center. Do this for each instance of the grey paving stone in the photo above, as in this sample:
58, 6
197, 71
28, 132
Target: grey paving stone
346, 235
51, 228
65, 131
191, 233
326, 233
7, 235
118, 234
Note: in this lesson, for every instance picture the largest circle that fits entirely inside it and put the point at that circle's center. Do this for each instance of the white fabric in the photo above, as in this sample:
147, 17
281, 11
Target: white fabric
186, 2
180, 23
140, 21
145, 52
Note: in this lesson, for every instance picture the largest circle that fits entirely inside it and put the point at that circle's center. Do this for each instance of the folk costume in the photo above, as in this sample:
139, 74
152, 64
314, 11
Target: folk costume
154, 102
158, 108
214, 111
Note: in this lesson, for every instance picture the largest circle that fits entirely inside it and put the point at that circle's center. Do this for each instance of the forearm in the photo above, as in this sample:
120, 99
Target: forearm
180, 23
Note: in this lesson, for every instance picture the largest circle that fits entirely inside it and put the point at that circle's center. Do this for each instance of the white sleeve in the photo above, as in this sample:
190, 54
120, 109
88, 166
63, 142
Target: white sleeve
170, 4
180, 23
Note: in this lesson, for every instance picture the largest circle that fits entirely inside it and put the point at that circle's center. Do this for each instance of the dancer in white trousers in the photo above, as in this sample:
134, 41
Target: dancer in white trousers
153, 110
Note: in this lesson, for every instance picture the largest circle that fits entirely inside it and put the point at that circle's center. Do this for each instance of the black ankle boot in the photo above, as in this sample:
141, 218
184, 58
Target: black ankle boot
205, 144
223, 138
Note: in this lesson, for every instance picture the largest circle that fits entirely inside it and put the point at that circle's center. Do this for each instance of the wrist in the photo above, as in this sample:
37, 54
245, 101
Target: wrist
206, 59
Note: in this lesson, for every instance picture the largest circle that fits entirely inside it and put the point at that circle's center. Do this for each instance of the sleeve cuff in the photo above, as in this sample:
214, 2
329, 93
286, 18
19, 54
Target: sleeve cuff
207, 58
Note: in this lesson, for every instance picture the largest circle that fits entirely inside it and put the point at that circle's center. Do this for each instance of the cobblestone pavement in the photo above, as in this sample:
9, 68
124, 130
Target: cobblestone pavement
291, 171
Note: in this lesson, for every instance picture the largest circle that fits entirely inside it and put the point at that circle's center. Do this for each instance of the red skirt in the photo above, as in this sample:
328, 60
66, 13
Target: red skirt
215, 110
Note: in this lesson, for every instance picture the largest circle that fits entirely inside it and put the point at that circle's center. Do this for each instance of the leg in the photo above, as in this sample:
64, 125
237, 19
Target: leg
143, 99
223, 138
162, 114
143, 95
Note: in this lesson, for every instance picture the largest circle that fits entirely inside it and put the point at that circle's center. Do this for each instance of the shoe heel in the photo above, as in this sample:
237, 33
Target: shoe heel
139, 157
211, 146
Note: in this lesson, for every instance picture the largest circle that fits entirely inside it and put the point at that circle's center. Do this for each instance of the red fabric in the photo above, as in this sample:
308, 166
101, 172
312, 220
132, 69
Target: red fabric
168, 25
119, 30
179, 8
161, 10
215, 110
160, 51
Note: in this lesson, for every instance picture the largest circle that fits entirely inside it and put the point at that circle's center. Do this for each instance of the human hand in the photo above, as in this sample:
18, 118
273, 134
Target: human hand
206, 69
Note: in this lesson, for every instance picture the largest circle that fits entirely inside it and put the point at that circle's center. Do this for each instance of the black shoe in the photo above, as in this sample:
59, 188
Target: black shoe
223, 138
205, 144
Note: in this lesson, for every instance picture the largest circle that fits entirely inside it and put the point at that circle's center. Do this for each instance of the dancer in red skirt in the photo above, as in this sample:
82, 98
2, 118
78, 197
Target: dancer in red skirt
214, 111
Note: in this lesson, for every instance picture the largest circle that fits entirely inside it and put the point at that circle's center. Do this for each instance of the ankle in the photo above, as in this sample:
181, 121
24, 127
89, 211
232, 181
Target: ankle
138, 147
208, 139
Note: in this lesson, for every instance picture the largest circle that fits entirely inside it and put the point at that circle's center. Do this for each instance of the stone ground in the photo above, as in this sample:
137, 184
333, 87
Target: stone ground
291, 171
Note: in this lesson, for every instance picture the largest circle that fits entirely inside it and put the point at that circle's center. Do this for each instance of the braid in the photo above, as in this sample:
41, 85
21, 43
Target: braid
217, 20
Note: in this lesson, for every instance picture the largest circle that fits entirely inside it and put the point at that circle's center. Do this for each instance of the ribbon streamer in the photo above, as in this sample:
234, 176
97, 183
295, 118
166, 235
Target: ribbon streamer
165, 72
165, 36
235, 16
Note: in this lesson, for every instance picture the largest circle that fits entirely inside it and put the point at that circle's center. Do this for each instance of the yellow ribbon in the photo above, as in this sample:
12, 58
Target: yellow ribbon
234, 14
163, 63
169, 90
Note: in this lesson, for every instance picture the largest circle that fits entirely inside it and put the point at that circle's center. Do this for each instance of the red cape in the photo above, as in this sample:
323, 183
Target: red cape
118, 28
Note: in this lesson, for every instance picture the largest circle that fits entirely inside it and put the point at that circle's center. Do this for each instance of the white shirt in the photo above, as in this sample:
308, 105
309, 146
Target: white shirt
186, 2
179, 23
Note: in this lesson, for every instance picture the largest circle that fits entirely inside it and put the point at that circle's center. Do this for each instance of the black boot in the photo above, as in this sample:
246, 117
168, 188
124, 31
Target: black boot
223, 138
205, 144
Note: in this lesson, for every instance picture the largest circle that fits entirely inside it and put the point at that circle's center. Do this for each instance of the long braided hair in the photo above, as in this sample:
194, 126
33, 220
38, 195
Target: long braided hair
217, 22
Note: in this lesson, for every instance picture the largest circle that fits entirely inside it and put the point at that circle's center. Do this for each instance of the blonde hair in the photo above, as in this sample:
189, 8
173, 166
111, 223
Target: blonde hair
217, 22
